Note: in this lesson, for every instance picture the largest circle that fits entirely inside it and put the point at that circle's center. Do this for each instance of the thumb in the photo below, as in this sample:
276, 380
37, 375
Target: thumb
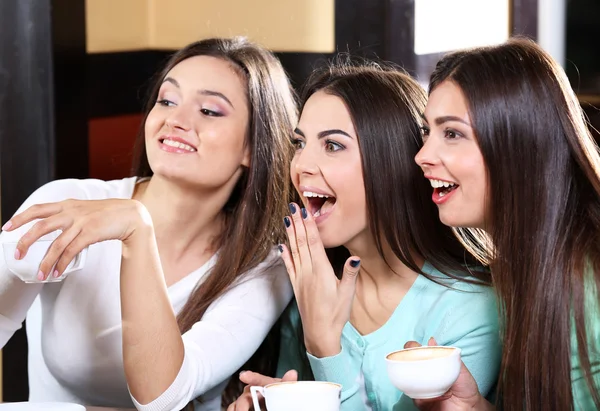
432, 342
291, 375
351, 269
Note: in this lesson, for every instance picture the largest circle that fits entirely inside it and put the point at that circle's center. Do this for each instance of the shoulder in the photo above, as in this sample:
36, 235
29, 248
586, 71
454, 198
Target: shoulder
461, 305
87, 189
271, 267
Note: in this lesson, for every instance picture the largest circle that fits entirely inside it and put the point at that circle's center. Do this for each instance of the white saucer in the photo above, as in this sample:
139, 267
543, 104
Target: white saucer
41, 406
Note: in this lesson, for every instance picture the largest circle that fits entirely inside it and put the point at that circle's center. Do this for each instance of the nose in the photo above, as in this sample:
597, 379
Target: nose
178, 118
427, 155
305, 162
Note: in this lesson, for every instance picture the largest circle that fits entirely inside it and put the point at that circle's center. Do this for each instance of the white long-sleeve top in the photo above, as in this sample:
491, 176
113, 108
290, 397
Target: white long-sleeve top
74, 327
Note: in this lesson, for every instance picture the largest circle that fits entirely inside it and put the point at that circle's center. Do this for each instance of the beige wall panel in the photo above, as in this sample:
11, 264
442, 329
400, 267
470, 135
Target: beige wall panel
281, 25
116, 25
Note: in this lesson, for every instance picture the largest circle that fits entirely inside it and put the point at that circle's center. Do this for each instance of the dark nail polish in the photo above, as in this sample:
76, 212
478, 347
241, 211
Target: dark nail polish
354, 263
287, 221
292, 208
304, 213
280, 248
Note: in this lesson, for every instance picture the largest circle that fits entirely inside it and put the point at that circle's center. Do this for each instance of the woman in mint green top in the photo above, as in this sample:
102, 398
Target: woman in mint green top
366, 251
468, 320
504, 130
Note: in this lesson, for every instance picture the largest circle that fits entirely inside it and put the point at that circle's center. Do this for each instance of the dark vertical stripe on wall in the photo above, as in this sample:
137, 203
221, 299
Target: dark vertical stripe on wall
69, 58
523, 18
26, 135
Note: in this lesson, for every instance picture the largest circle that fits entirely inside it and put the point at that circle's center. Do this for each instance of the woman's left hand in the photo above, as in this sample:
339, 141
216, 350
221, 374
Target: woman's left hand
324, 302
82, 222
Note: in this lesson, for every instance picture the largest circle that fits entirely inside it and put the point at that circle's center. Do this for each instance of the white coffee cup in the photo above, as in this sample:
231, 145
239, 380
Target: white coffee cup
424, 372
27, 268
299, 396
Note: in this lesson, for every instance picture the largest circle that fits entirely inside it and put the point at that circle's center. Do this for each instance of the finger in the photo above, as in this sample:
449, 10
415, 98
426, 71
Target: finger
254, 378
412, 344
54, 252
313, 239
348, 281
231, 407
243, 403
298, 215
70, 253
291, 375
39, 229
32, 213
293, 247
432, 342
289, 263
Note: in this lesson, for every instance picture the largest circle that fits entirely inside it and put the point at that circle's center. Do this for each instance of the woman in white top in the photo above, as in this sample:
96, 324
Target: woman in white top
182, 281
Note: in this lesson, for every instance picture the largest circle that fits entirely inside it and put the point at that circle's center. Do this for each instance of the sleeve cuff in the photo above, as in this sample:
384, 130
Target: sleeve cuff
340, 369
172, 398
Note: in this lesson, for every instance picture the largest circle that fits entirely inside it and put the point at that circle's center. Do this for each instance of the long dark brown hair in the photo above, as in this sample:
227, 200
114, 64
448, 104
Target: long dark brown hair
386, 106
542, 224
259, 201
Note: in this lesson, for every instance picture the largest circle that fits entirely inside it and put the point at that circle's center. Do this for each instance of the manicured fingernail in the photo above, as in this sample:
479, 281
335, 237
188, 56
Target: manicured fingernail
17, 254
7, 226
241, 372
41, 275
287, 221
56, 274
292, 208
354, 263
304, 213
280, 250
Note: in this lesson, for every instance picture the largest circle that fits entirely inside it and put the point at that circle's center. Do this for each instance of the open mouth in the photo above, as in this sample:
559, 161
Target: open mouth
319, 204
442, 188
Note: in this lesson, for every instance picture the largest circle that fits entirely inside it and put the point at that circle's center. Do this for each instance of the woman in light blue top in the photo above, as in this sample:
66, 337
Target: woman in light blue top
391, 272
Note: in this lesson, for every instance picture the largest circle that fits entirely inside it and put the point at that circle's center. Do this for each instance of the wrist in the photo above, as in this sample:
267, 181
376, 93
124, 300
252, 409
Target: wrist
322, 347
140, 224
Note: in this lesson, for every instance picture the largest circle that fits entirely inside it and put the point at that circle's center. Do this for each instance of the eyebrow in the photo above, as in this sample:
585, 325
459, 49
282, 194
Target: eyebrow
203, 92
324, 133
445, 119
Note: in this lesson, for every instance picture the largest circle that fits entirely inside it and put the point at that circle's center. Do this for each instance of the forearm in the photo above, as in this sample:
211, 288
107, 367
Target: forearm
153, 349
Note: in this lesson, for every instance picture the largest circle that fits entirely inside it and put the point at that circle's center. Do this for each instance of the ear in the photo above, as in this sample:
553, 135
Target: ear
246, 159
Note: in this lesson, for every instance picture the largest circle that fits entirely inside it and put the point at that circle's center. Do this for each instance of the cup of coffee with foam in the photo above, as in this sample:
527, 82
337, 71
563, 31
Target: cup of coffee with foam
424, 372
298, 396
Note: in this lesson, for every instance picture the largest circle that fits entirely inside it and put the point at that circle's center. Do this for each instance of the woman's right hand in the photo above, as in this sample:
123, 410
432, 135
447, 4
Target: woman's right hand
244, 402
462, 396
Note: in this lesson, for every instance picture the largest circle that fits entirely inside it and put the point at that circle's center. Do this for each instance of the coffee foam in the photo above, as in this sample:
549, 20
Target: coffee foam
421, 354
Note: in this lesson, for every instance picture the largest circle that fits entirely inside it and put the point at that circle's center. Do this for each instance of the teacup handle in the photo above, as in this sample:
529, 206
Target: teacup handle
255, 402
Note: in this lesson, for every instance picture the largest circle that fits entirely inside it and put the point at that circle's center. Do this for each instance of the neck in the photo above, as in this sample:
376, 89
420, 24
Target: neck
377, 270
184, 218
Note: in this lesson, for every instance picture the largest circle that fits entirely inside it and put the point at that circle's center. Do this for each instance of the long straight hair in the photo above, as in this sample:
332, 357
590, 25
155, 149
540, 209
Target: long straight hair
543, 222
386, 106
254, 212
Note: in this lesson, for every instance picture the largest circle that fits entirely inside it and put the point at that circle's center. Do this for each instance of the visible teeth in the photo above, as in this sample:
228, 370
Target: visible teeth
177, 144
440, 183
311, 194
317, 213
